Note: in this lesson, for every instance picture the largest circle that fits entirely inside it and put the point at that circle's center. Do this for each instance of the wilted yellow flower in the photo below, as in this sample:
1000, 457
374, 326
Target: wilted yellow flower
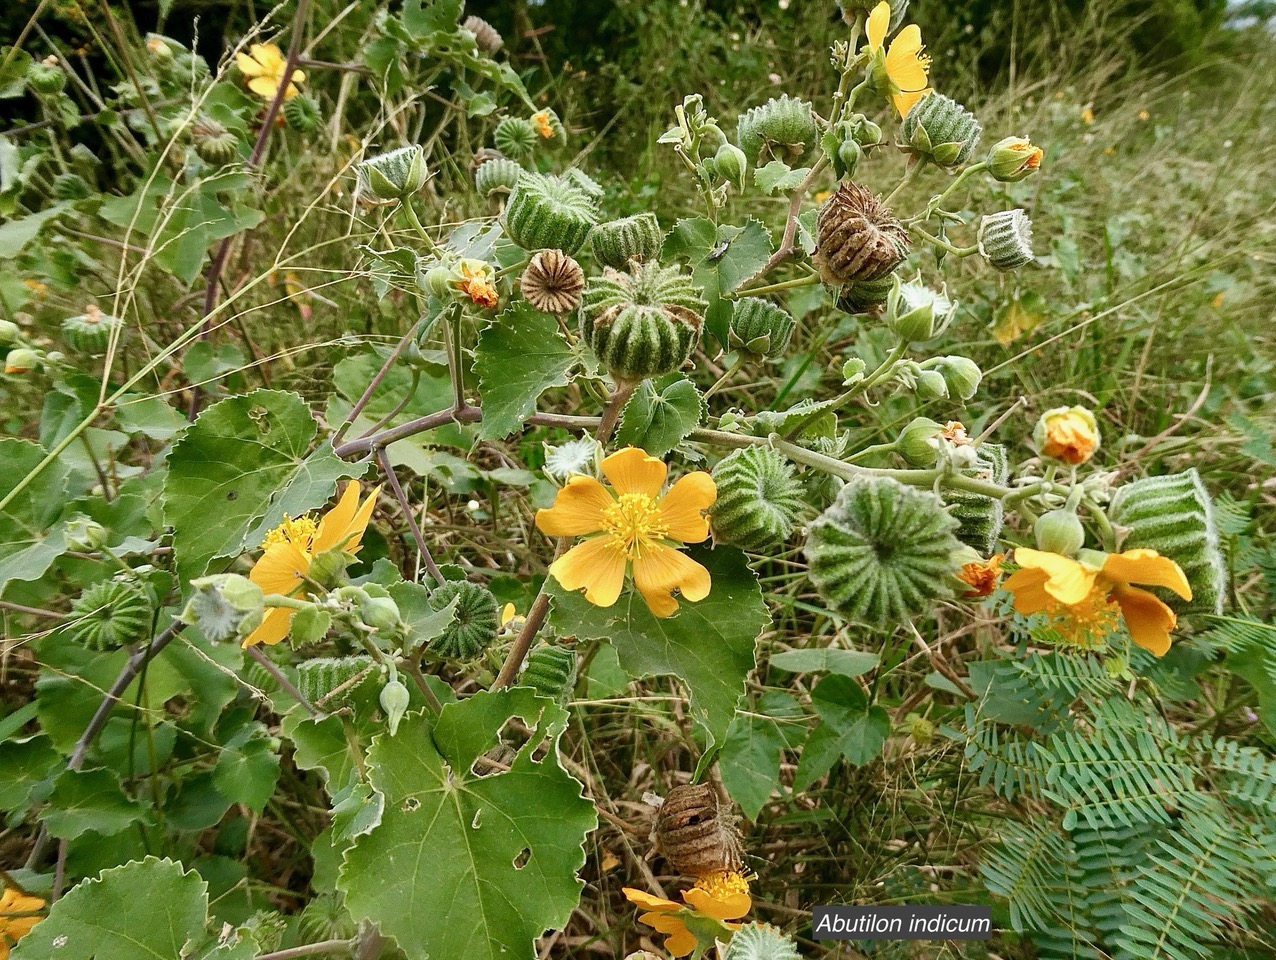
905, 63
1070, 434
291, 548
474, 278
632, 524
982, 576
15, 923
1014, 158
264, 66
541, 122
1086, 602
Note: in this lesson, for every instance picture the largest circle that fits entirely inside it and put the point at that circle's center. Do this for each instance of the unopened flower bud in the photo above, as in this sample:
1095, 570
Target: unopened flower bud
84, 533
917, 442
1070, 434
46, 77
916, 313
382, 613
9, 333
393, 176
20, 361
225, 606
1013, 158
849, 154
432, 277
961, 374
394, 701
1059, 531
931, 385
731, 163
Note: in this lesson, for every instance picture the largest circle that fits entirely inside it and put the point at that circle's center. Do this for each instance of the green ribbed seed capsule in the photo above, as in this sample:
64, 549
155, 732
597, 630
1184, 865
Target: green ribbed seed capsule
545, 212
760, 328
760, 941
633, 238
1174, 516
302, 113
498, 175
111, 614
338, 681
644, 323
1005, 239
865, 296
981, 517
515, 137
90, 332
759, 499
70, 186
550, 671
475, 625
883, 553
784, 128
941, 129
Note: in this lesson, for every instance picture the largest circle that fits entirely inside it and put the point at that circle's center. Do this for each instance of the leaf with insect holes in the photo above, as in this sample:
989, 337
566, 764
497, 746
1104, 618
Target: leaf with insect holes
658, 419
244, 463
708, 645
476, 852
519, 356
722, 257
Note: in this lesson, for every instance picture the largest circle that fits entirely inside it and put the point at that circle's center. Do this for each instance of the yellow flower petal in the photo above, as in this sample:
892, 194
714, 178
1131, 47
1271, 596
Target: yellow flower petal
344, 524
906, 64
1149, 568
1146, 617
649, 901
683, 507
1029, 589
274, 627
660, 570
731, 907
681, 941
595, 566
248, 66
1068, 581
264, 86
577, 510
904, 101
632, 471
280, 568
879, 22
269, 56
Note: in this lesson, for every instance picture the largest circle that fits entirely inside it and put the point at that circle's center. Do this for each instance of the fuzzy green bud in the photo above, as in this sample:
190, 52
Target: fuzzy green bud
931, 385
917, 442
1059, 531
46, 77
84, 533
394, 701
961, 374
941, 130
393, 176
434, 280
225, 606
730, 163
915, 313
849, 154
21, 360
1013, 159
380, 613
9, 333
1005, 239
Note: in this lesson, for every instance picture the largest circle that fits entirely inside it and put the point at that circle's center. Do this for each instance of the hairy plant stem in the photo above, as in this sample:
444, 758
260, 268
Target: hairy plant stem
311, 949
887, 365
615, 404
375, 382
388, 469
962, 252
281, 678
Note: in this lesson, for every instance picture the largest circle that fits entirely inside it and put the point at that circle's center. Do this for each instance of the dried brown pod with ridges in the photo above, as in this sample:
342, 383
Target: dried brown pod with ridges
553, 282
486, 36
857, 237
696, 832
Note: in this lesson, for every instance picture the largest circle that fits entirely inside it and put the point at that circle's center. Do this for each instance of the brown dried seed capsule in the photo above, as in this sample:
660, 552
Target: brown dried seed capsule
553, 282
486, 35
858, 238
696, 834
484, 154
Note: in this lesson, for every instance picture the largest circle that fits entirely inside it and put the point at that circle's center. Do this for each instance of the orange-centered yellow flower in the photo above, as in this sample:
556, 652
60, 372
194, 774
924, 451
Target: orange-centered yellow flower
474, 279
905, 64
264, 66
542, 124
291, 547
1086, 599
981, 576
631, 524
16, 918
719, 898
1070, 434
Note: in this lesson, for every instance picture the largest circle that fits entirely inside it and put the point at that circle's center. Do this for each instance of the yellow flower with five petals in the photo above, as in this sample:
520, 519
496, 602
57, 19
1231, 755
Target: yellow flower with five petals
713, 901
1086, 598
629, 526
291, 549
904, 63
264, 65
18, 914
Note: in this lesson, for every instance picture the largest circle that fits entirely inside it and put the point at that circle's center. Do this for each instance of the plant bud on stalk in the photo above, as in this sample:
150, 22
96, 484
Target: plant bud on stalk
961, 374
915, 313
46, 77
225, 606
84, 533
1014, 158
916, 442
1059, 531
1005, 239
20, 361
730, 164
393, 176
931, 386
1069, 434
9, 333
394, 701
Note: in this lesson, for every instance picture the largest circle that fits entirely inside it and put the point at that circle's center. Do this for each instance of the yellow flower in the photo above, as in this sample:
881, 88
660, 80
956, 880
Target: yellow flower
511, 621
291, 548
1085, 602
631, 523
1144, 116
542, 124
474, 279
981, 576
264, 66
13, 926
906, 64
1070, 434
720, 897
